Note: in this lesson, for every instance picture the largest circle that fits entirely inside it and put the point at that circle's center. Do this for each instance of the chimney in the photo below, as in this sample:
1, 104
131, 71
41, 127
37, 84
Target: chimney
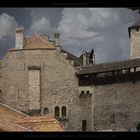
57, 39
85, 58
88, 58
19, 38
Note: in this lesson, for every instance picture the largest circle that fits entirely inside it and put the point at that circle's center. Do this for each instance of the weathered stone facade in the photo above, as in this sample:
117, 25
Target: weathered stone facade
120, 100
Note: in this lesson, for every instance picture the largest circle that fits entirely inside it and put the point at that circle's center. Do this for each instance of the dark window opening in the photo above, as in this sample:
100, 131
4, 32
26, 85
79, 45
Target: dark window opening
137, 29
113, 118
46, 111
138, 127
56, 111
63, 111
84, 125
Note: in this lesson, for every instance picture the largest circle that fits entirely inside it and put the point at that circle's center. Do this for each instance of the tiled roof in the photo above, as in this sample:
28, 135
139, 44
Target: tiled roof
13, 120
8, 117
37, 41
7, 124
41, 123
110, 66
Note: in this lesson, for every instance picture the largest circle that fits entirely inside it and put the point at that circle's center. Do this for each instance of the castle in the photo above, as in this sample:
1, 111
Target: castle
38, 77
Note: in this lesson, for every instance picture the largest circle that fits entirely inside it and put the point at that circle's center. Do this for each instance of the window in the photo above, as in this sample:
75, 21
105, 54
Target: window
137, 29
84, 125
56, 111
138, 127
113, 118
82, 92
46, 111
63, 111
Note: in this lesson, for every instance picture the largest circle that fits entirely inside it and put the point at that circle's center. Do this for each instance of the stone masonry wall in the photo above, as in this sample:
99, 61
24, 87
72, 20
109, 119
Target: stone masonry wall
122, 100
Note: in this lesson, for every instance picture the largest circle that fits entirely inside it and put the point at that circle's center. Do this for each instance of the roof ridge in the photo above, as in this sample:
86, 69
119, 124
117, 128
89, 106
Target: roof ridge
14, 109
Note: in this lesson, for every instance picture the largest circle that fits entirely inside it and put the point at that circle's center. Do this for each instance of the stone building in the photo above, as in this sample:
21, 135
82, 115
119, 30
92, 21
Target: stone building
38, 77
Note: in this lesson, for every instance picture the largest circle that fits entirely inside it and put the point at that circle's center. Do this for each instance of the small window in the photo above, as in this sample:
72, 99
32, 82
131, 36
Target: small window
137, 29
63, 111
46, 111
84, 125
56, 111
113, 119
82, 92
138, 127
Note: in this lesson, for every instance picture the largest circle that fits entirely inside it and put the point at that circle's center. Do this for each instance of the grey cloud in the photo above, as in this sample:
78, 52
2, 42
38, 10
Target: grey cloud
7, 26
40, 26
104, 29
44, 20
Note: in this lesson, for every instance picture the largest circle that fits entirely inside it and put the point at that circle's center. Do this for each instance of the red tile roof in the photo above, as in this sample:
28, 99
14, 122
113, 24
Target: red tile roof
37, 41
13, 120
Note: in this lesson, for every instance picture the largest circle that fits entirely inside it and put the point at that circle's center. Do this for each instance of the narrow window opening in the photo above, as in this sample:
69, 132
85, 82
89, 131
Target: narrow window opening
137, 29
138, 127
56, 111
63, 111
84, 125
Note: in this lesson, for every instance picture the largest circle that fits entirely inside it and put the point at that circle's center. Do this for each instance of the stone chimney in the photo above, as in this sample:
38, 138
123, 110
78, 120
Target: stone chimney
85, 58
19, 38
88, 58
57, 39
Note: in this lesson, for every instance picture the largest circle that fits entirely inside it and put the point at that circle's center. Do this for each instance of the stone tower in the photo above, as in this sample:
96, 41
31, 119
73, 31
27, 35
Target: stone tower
134, 34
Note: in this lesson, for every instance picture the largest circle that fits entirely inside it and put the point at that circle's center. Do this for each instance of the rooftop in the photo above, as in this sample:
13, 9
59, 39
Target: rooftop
110, 66
13, 120
37, 41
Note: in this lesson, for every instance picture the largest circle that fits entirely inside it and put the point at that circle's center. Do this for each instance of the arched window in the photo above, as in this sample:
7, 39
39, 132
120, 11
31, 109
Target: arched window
46, 111
63, 111
56, 111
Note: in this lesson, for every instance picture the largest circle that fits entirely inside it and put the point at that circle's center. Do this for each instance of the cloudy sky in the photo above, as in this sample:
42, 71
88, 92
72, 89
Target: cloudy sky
104, 29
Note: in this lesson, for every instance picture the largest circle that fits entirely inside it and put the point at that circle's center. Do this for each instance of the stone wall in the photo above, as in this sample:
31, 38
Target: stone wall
122, 100
85, 104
